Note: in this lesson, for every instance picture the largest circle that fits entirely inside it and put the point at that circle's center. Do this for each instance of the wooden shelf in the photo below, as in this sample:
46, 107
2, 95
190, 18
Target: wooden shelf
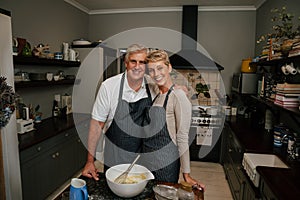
294, 111
30, 84
30, 60
277, 62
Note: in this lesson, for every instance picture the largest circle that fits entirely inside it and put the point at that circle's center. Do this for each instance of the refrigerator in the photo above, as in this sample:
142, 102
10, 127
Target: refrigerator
10, 187
97, 64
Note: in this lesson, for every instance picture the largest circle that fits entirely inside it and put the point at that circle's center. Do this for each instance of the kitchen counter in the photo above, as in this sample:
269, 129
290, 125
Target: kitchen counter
48, 128
284, 183
101, 189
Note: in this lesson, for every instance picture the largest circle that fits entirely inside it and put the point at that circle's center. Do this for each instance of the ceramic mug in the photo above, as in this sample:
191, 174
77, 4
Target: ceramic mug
49, 76
73, 55
78, 189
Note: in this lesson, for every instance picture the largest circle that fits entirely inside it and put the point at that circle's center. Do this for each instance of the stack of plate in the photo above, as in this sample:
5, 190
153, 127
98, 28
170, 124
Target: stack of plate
81, 42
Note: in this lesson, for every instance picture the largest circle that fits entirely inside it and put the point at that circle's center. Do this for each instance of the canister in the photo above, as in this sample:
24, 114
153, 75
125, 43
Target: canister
247, 67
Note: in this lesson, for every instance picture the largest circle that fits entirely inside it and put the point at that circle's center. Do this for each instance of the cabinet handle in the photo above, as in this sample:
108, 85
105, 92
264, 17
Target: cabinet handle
53, 156
78, 140
39, 148
67, 134
57, 154
229, 150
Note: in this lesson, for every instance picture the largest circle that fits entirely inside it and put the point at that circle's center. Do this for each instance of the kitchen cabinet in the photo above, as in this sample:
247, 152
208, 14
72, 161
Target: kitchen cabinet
231, 156
266, 192
48, 164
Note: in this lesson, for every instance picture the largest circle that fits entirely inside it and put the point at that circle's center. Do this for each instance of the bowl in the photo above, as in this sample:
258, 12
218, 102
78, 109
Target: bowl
129, 189
165, 192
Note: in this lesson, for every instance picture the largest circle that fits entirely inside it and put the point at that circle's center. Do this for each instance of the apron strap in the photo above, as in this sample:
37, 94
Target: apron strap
167, 97
121, 87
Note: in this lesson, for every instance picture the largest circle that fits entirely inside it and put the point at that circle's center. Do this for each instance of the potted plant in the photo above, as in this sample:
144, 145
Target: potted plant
284, 31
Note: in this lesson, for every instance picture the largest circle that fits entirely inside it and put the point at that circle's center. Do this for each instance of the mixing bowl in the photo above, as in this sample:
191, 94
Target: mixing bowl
129, 189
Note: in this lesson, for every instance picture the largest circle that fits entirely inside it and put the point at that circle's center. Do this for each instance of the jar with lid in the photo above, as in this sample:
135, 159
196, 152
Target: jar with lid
185, 191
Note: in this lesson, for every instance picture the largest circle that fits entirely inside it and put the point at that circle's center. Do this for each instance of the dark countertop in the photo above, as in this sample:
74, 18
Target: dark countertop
101, 189
284, 183
48, 128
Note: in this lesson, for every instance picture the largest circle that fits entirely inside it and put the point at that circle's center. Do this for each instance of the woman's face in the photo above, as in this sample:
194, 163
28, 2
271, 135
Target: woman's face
160, 73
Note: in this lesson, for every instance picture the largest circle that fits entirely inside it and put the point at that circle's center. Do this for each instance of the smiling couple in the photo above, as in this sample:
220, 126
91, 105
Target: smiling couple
150, 117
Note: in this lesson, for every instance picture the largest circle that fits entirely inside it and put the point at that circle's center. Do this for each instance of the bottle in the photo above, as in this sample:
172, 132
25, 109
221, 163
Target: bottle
55, 109
185, 191
268, 120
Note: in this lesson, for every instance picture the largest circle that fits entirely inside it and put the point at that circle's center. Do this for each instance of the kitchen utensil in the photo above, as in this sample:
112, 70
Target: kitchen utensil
131, 189
165, 192
123, 176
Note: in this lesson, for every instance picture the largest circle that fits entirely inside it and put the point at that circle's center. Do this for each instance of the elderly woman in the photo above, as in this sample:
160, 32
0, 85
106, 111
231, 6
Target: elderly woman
167, 135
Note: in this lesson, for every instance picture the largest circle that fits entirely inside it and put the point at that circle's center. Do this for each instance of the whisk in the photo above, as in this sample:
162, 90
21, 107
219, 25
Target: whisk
123, 176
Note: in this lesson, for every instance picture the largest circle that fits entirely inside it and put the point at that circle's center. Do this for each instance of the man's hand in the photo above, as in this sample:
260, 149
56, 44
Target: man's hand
90, 171
182, 87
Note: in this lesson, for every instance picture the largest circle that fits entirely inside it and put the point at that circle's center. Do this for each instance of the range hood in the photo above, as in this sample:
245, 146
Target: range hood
189, 57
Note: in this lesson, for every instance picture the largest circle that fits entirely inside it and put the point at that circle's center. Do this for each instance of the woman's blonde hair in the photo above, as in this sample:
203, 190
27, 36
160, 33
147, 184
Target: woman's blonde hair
158, 55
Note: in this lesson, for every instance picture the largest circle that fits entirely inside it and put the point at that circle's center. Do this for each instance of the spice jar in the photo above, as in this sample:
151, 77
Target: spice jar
185, 191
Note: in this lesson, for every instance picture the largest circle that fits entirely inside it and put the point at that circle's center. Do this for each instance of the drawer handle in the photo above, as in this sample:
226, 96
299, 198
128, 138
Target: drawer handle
39, 148
229, 150
57, 154
53, 156
67, 134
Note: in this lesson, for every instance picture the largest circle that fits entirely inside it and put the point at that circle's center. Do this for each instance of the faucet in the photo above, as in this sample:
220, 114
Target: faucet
291, 149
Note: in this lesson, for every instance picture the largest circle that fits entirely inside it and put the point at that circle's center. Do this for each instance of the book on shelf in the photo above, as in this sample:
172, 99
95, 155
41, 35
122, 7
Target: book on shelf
287, 97
288, 86
287, 104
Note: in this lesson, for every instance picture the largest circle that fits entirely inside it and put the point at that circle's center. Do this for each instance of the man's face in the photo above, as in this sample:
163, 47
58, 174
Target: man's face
136, 65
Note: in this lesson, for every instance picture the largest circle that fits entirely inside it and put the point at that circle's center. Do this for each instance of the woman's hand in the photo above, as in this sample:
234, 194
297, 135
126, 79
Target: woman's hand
187, 178
90, 171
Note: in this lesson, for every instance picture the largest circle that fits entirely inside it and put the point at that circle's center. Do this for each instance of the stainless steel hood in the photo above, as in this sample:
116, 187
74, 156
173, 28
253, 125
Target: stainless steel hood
188, 57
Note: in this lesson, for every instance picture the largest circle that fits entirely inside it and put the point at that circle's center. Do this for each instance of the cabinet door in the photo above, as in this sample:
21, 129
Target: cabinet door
81, 153
39, 176
248, 192
265, 191
46, 166
232, 178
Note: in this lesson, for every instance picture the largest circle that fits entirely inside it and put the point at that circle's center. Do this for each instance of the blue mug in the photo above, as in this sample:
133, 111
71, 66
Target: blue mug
78, 189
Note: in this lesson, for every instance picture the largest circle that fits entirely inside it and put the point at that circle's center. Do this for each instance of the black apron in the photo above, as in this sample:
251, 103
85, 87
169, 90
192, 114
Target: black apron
160, 154
123, 139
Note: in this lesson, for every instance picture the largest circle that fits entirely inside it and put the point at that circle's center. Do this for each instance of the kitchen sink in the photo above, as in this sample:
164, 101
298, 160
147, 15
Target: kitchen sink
252, 160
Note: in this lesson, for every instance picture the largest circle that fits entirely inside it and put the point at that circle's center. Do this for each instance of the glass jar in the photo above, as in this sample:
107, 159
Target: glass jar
185, 191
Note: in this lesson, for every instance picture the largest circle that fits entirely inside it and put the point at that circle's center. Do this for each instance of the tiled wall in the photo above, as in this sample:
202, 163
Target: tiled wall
191, 78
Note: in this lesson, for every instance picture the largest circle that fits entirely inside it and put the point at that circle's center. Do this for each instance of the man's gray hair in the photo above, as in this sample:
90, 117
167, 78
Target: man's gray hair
135, 48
